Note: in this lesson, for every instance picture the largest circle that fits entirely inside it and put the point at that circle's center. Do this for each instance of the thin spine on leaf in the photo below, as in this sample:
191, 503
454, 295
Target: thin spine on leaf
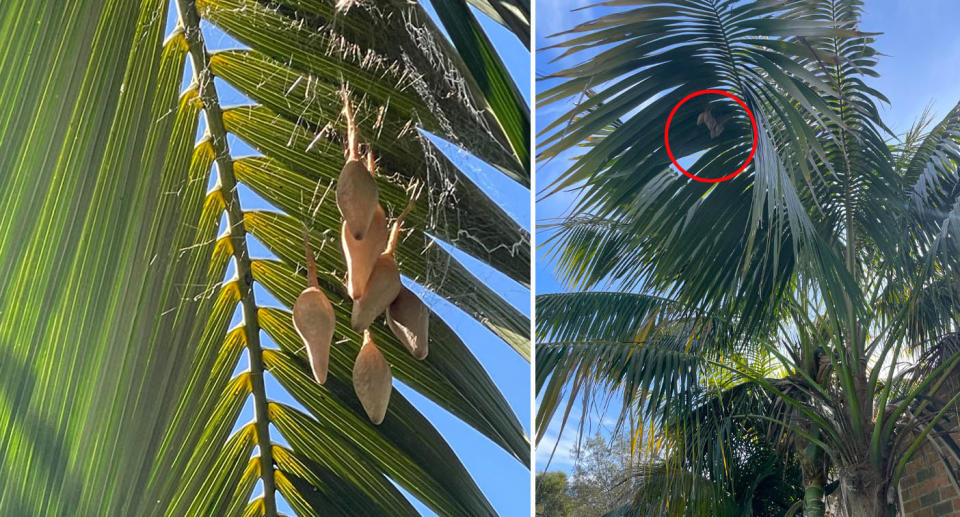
344, 5
207, 89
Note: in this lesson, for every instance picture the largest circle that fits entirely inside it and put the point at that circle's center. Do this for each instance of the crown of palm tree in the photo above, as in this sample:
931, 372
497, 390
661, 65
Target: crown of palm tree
813, 274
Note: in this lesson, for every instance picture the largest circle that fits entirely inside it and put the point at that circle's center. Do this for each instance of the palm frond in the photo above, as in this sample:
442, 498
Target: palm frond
120, 364
650, 349
513, 14
659, 53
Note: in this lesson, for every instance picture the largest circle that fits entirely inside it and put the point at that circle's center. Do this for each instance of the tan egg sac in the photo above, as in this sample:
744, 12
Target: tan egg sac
384, 285
314, 320
372, 380
357, 198
357, 194
381, 289
409, 320
361, 256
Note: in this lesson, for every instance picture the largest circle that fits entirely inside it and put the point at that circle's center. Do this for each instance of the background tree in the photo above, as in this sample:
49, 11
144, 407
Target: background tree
553, 495
608, 480
603, 479
814, 275
603, 474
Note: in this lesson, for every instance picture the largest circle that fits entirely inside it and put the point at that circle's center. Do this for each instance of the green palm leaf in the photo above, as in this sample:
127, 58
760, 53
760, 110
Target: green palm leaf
513, 14
119, 360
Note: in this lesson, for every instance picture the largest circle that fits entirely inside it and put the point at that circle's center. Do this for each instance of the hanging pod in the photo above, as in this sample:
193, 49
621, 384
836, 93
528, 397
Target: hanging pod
409, 319
314, 320
372, 380
383, 286
357, 195
381, 289
361, 255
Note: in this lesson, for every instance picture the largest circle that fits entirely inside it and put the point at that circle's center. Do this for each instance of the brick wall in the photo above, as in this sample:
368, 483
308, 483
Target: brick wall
927, 489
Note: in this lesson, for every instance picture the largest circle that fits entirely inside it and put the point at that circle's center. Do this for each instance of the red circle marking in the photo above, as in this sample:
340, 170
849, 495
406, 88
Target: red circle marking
666, 136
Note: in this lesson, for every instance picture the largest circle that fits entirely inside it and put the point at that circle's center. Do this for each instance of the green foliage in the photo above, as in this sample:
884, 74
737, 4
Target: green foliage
608, 480
553, 497
810, 277
603, 478
604, 475
118, 394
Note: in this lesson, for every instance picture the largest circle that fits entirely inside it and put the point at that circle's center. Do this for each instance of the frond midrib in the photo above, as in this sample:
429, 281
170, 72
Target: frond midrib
200, 59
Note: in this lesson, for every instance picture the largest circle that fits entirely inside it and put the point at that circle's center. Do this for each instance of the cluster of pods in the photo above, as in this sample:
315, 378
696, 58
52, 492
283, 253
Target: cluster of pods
372, 282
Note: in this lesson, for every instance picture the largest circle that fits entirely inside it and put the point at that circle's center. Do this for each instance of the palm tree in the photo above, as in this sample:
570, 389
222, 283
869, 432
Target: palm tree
817, 275
119, 392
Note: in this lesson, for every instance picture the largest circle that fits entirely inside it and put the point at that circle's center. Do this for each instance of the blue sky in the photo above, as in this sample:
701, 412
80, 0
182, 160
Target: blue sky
502, 478
921, 67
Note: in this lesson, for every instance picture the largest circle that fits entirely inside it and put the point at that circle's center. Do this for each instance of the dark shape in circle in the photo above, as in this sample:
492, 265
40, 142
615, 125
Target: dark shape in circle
714, 125
666, 135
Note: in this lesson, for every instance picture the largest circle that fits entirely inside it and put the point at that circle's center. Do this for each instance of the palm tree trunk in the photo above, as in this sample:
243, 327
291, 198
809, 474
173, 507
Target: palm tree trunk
813, 481
814, 478
813, 504
868, 505
864, 496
